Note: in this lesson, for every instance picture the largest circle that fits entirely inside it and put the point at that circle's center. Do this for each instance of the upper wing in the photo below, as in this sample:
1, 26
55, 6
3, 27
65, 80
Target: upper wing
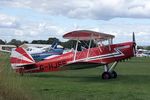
87, 35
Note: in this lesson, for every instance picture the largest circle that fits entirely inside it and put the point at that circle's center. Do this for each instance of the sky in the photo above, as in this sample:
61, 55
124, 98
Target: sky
40, 19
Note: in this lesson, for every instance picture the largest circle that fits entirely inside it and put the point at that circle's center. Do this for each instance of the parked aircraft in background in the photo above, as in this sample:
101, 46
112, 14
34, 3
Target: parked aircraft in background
142, 53
97, 54
39, 54
7, 48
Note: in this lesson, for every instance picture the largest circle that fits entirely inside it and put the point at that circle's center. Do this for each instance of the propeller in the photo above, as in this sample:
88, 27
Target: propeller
133, 37
134, 45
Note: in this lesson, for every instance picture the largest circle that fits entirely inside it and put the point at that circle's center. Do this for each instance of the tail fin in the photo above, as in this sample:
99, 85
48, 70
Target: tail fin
54, 44
20, 57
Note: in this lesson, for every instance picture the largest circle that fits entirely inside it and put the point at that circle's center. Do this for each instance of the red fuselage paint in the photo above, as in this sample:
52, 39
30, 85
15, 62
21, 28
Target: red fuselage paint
98, 55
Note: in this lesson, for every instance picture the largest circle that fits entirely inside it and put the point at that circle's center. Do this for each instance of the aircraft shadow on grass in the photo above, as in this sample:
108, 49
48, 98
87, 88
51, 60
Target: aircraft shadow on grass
123, 79
137, 61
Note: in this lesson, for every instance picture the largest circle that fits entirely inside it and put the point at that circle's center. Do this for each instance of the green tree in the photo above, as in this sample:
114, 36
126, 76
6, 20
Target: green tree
51, 40
1, 41
69, 44
140, 47
15, 42
148, 48
24, 42
39, 42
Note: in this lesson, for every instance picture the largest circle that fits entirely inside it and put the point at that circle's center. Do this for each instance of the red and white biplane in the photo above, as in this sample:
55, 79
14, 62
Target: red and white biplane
101, 54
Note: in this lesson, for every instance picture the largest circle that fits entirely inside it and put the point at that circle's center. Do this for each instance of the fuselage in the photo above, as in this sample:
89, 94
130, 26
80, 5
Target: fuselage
93, 57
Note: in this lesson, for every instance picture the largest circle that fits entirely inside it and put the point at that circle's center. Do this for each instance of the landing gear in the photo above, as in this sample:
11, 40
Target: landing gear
109, 75
113, 74
106, 75
109, 72
21, 71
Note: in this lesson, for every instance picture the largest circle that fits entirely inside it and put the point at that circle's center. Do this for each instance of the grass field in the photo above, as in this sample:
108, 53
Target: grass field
133, 83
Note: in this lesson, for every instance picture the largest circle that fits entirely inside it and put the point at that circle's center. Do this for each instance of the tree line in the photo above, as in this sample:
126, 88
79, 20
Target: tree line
67, 44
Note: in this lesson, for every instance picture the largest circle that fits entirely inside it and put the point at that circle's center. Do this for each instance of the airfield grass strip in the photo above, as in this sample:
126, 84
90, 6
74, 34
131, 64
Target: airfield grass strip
10, 84
132, 83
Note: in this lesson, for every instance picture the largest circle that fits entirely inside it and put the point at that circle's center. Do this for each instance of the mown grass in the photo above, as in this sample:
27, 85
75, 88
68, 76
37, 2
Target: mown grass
133, 83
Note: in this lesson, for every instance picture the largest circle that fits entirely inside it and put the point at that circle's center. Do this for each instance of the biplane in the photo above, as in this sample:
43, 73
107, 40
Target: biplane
103, 53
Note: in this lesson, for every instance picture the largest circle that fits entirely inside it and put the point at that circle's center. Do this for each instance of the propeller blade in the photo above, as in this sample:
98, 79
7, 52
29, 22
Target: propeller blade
133, 37
135, 46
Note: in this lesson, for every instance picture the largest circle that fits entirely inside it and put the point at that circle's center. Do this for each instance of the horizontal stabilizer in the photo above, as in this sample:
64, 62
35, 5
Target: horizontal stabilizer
20, 57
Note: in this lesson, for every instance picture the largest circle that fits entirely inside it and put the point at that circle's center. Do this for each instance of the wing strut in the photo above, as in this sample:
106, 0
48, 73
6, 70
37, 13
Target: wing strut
89, 47
75, 54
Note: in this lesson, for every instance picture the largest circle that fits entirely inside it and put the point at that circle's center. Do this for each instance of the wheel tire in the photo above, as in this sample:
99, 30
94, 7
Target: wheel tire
113, 74
106, 75
21, 71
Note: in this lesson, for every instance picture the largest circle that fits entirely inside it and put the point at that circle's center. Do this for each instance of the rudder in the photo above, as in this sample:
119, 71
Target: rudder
20, 57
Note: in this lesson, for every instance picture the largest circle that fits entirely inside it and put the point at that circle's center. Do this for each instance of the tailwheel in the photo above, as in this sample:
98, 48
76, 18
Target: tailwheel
21, 71
113, 74
106, 75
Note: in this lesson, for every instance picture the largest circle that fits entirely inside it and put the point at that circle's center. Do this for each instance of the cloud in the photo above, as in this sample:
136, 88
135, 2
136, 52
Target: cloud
8, 21
37, 31
32, 30
29, 28
90, 9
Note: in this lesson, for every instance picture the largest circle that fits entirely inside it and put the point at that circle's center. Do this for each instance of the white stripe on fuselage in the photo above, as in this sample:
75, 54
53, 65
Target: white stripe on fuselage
18, 65
117, 53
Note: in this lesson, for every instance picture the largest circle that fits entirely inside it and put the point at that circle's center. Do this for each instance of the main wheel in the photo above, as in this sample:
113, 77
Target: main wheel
113, 74
106, 75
